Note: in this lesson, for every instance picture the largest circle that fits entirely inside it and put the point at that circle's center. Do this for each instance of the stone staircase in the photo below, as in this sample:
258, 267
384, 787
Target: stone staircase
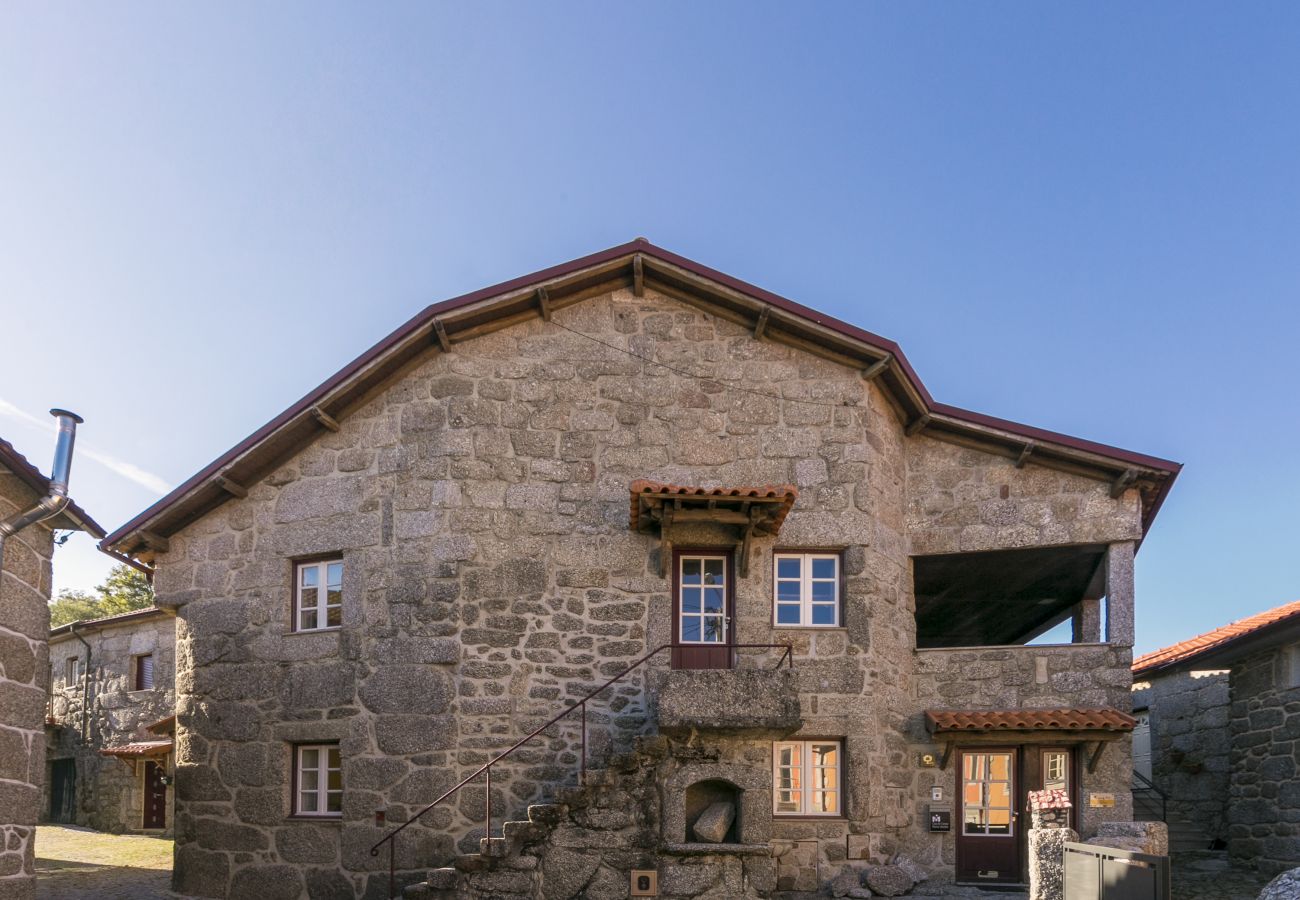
1184, 835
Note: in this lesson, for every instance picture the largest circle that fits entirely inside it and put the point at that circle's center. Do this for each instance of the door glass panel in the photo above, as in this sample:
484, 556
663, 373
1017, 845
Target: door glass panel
1056, 770
690, 600
713, 598
703, 600
713, 571
986, 793
691, 629
690, 571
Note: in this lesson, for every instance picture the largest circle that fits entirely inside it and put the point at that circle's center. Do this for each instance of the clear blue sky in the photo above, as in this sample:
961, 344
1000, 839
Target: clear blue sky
1084, 217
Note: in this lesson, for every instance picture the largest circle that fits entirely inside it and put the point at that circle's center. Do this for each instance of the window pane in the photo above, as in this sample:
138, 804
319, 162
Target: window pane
334, 616
787, 801
825, 754
334, 758
690, 571
334, 597
307, 620
824, 779
690, 600
1000, 795
691, 629
335, 781
713, 571
713, 599
787, 590
787, 614
1000, 766
823, 614
310, 758
308, 598
334, 802
713, 629
308, 802
823, 802
310, 576
310, 780
787, 755
823, 591
973, 793
823, 568
787, 567
335, 575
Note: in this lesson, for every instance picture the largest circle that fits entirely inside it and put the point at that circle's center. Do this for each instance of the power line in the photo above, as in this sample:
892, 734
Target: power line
684, 373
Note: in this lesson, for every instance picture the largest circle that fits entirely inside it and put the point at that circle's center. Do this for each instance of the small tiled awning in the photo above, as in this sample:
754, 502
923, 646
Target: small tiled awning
139, 749
755, 510
163, 726
948, 721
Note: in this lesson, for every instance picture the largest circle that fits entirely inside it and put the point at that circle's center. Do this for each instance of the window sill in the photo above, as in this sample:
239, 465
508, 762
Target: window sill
810, 628
330, 630
320, 820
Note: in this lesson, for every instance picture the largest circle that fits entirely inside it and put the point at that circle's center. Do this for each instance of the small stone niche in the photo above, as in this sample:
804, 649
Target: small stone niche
704, 801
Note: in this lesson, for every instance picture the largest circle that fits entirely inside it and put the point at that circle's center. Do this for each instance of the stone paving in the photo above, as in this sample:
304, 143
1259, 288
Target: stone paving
75, 863
1205, 876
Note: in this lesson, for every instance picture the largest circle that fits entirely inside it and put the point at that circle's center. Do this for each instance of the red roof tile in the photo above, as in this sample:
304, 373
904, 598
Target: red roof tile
786, 493
1049, 799
139, 749
1213, 640
1028, 720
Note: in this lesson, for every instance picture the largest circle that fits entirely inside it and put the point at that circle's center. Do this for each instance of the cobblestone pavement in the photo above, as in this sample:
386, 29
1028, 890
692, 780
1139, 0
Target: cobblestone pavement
77, 864
1202, 876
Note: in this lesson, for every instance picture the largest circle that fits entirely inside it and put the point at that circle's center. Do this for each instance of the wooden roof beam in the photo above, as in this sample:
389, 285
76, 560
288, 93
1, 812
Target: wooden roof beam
1024, 454
440, 333
877, 368
325, 419
233, 488
1122, 483
917, 424
761, 325
544, 303
638, 276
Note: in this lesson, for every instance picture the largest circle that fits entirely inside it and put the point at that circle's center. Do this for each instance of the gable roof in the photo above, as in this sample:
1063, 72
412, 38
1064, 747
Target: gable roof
1220, 640
129, 617
636, 265
72, 516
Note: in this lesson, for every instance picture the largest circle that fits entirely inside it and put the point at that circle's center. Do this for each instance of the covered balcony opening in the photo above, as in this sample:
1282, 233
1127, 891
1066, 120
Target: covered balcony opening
1046, 595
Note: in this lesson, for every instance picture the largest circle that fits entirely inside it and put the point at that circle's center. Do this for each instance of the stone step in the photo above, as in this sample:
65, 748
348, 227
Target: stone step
517, 833
546, 813
493, 847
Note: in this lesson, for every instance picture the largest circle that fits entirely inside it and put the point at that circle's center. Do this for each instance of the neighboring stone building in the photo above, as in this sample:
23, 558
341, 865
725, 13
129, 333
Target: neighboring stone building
25, 580
523, 492
111, 717
1224, 714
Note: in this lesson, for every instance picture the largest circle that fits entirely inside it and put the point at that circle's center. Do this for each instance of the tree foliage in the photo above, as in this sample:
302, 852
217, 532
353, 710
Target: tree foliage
123, 590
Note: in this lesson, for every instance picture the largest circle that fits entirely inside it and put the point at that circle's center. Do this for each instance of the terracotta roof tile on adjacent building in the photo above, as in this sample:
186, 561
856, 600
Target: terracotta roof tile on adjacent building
1028, 720
15, 462
139, 749
785, 493
1186, 651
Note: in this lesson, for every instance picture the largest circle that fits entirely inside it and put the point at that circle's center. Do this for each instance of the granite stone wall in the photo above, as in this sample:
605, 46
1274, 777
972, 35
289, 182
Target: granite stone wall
1264, 794
479, 504
1190, 744
24, 624
109, 791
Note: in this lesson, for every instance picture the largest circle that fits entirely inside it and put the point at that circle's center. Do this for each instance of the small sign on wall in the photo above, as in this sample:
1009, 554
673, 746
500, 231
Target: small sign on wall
1101, 801
927, 761
940, 819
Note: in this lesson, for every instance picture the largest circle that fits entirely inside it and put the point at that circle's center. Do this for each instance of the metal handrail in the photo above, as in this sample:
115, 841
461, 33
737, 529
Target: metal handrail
787, 657
1149, 785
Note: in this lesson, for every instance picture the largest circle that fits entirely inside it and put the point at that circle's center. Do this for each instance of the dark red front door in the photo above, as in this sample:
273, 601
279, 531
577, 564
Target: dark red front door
155, 796
988, 838
702, 608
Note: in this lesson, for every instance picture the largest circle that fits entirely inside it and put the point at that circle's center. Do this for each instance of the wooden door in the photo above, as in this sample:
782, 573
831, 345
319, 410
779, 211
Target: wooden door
702, 609
63, 791
155, 795
988, 836
1052, 768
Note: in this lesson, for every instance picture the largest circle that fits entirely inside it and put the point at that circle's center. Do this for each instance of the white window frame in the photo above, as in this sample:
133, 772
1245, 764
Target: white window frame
806, 769
322, 791
322, 606
73, 670
805, 589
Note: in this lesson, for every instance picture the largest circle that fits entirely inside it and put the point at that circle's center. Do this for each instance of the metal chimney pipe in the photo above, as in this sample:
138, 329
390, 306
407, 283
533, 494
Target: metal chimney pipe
57, 498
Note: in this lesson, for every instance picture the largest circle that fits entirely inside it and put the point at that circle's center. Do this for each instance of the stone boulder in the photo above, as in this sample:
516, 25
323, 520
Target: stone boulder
846, 881
914, 870
1136, 837
714, 823
889, 881
1284, 887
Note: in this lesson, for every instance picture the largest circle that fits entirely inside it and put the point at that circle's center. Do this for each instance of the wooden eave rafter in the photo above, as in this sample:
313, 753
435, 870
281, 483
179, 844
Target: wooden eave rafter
637, 266
751, 515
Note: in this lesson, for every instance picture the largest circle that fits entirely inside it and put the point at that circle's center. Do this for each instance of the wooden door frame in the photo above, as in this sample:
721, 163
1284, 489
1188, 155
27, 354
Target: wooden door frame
729, 602
1017, 803
161, 766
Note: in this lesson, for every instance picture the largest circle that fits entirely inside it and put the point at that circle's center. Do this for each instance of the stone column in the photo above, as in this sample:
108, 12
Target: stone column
1119, 594
24, 661
1049, 832
1087, 622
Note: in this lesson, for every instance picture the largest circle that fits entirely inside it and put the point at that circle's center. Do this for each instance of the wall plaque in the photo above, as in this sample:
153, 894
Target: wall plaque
1101, 800
941, 819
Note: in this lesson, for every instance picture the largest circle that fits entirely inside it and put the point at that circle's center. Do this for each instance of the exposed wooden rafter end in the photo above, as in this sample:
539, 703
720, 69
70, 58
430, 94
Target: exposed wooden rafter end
440, 333
233, 488
638, 276
1122, 483
155, 542
544, 303
325, 419
1024, 454
761, 325
877, 368
918, 423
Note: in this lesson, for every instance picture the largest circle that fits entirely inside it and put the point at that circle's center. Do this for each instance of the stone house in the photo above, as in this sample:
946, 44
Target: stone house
1220, 734
110, 720
25, 582
810, 587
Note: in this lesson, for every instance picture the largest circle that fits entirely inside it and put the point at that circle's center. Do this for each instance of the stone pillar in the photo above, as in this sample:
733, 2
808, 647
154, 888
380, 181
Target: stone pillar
1087, 622
1049, 832
1119, 594
24, 661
